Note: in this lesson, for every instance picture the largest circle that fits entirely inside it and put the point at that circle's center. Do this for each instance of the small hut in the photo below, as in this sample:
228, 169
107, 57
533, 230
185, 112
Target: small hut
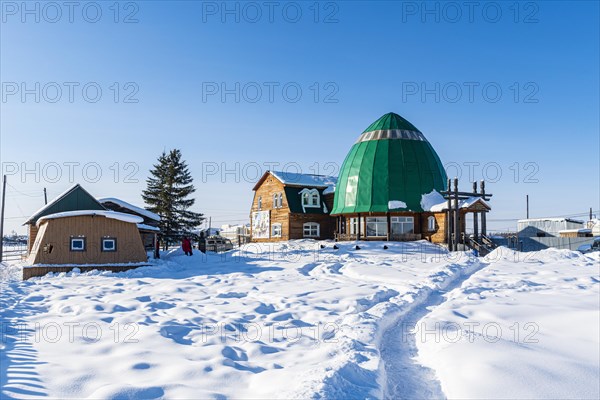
76, 230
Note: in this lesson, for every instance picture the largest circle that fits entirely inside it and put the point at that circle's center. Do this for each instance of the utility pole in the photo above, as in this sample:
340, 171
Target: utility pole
45, 197
591, 213
527, 201
2, 217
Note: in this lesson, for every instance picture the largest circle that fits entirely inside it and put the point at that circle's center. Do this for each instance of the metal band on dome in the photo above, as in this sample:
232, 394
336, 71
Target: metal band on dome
391, 134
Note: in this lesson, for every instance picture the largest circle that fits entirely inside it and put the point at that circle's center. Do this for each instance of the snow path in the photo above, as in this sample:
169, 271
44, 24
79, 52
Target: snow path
404, 377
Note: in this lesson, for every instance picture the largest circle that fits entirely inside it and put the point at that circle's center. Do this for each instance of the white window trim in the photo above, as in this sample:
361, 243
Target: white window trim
431, 223
82, 239
259, 203
114, 240
311, 224
277, 225
309, 195
403, 221
377, 221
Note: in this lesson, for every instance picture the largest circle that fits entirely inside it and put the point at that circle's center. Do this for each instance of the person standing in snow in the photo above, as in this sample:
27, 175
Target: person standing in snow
186, 246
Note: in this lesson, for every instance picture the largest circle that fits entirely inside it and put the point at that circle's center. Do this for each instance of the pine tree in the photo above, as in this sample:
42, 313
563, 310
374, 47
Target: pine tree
167, 194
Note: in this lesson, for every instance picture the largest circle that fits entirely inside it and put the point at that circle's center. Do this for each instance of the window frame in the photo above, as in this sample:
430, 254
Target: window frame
310, 198
311, 225
431, 223
259, 203
402, 221
276, 225
379, 223
103, 249
78, 238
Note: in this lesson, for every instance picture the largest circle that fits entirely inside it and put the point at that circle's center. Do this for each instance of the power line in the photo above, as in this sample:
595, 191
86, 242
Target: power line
24, 194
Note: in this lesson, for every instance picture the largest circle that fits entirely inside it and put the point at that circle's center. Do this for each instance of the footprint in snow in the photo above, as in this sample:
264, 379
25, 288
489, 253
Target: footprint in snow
35, 298
230, 295
142, 365
234, 353
143, 299
160, 305
265, 309
269, 349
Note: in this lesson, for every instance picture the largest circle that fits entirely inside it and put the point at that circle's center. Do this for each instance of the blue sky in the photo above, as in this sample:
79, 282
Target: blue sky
532, 113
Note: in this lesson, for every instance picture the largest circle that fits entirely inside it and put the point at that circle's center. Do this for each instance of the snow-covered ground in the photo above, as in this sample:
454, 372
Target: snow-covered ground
526, 326
292, 320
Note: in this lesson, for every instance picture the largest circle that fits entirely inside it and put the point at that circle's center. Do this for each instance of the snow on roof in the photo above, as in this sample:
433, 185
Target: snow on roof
310, 180
148, 227
134, 219
431, 199
550, 219
395, 204
129, 206
466, 203
583, 230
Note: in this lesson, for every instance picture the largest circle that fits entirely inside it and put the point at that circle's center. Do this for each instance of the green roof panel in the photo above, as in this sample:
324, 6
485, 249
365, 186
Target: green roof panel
388, 167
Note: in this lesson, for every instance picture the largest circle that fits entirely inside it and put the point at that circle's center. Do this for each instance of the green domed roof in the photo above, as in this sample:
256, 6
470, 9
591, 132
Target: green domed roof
391, 121
389, 168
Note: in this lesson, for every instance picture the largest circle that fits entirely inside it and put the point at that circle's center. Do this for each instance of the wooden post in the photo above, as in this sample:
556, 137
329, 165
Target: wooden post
2, 216
156, 247
389, 226
483, 222
449, 218
456, 216
358, 227
475, 217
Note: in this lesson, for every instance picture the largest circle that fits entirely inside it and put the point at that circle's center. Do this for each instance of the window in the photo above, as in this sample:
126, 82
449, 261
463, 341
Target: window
311, 229
260, 202
401, 225
277, 200
77, 244
276, 230
354, 226
109, 244
315, 199
431, 223
310, 198
376, 226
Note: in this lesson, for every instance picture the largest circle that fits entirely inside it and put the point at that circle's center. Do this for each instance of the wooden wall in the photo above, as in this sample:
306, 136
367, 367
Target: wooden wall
439, 235
33, 230
326, 222
270, 186
58, 232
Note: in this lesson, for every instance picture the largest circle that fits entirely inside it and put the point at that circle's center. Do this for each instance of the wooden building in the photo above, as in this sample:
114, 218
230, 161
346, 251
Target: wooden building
77, 230
149, 227
292, 206
392, 186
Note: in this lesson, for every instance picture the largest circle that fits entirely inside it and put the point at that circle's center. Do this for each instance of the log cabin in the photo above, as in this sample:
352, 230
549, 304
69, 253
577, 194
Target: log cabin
290, 205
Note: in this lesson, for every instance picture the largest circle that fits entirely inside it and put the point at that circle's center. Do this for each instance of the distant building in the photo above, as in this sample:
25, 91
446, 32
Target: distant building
238, 234
547, 227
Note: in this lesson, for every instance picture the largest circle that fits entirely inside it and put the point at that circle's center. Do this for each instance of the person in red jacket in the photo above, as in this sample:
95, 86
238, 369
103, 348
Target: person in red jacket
186, 246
